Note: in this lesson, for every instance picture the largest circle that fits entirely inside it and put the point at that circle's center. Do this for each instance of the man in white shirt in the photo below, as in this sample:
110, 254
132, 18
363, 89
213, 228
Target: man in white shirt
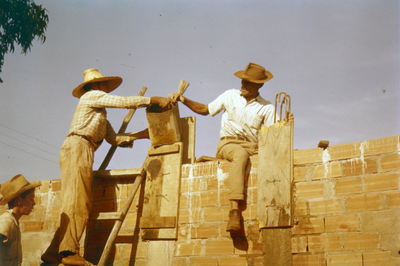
244, 113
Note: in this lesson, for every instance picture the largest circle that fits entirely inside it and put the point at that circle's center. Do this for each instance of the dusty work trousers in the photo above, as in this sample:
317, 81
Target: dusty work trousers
237, 152
76, 163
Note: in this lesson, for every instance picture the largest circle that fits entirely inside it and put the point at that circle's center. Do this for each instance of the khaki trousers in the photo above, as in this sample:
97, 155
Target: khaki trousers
237, 152
76, 163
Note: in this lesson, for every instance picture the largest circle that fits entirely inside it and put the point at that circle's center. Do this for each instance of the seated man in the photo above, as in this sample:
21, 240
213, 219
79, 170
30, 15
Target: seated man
244, 113
20, 196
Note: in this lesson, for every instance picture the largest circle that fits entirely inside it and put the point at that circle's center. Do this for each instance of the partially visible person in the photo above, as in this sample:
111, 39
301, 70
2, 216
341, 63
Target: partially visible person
20, 196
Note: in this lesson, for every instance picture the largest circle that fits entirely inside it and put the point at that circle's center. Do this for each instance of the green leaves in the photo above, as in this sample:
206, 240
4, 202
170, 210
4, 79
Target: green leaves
21, 21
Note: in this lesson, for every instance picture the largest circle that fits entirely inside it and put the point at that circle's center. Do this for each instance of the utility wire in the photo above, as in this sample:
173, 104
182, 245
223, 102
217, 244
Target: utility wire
28, 153
28, 144
29, 136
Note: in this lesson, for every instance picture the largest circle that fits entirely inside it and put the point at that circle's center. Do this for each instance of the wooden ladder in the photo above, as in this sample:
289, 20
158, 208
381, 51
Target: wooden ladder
137, 173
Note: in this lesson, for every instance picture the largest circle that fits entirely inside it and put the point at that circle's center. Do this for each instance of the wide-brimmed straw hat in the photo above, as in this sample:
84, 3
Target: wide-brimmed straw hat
254, 73
93, 75
16, 186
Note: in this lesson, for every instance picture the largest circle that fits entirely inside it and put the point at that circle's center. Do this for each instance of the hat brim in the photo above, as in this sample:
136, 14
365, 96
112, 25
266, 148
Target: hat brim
28, 186
113, 83
240, 74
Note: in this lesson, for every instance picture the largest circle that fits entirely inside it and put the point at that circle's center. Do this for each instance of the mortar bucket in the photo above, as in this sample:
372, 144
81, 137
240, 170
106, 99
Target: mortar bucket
163, 124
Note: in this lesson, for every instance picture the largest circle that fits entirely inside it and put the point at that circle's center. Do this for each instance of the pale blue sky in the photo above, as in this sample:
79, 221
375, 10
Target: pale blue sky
338, 60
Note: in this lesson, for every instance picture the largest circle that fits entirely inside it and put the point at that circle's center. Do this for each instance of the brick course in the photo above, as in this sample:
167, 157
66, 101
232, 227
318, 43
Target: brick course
339, 193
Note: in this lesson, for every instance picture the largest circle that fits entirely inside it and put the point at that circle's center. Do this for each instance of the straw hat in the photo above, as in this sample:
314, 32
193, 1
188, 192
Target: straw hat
254, 73
16, 186
93, 75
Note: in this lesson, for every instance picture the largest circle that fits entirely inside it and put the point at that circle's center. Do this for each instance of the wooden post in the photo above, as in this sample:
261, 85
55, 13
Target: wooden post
275, 190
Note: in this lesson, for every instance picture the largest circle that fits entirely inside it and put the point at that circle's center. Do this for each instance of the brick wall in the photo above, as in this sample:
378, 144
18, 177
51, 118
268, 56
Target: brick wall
348, 204
347, 209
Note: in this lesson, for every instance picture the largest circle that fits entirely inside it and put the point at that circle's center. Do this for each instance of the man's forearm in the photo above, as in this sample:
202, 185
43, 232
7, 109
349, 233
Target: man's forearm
198, 108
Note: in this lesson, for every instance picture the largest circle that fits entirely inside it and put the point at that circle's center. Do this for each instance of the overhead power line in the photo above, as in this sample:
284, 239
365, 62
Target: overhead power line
28, 144
29, 136
29, 153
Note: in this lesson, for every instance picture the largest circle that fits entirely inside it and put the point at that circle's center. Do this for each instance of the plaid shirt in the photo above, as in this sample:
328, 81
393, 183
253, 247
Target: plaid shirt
90, 116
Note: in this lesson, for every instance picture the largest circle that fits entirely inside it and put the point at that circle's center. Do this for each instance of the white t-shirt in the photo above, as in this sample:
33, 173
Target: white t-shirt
10, 249
242, 119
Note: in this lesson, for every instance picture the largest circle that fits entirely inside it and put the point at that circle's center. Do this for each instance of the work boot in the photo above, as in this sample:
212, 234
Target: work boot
234, 221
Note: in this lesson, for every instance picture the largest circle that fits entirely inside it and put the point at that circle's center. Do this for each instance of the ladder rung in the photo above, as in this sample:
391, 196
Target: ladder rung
106, 216
117, 173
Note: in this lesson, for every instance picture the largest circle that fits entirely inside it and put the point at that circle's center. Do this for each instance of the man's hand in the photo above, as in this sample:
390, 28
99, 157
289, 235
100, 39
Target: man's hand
161, 101
174, 97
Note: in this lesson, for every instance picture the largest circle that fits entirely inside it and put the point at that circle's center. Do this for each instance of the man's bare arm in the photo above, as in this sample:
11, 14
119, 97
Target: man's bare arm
198, 108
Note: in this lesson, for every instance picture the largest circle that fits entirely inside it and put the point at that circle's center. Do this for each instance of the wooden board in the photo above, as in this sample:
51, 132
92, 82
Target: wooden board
188, 137
275, 176
119, 173
162, 189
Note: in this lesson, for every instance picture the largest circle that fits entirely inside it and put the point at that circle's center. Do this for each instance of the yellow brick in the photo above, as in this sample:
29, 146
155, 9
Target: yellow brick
299, 244
307, 190
208, 198
219, 247
205, 231
299, 174
233, 261
183, 201
318, 207
252, 180
205, 169
342, 223
344, 151
329, 170
214, 214
307, 156
192, 215
333, 206
258, 261
356, 167
348, 186
308, 260
301, 208
309, 226
56, 185
382, 182
203, 261
374, 202
252, 194
44, 187
390, 163
380, 146
187, 248
323, 243
361, 241
355, 203
394, 199
376, 258
344, 259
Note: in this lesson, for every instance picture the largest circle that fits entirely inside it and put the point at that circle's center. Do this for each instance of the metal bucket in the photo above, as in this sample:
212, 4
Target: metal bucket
163, 125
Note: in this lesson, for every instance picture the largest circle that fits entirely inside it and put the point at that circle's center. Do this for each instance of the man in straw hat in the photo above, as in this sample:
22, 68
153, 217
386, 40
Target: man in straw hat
88, 129
244, 113
20, 196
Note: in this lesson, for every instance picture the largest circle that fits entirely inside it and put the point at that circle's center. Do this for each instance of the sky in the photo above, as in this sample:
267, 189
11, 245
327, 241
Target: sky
338, 61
